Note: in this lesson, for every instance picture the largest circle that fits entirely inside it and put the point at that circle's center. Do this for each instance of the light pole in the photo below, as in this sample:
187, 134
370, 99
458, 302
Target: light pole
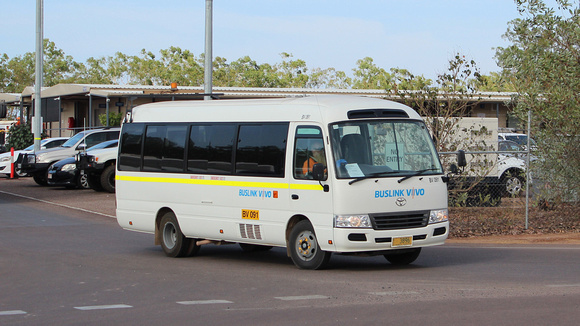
36, 121
208, 50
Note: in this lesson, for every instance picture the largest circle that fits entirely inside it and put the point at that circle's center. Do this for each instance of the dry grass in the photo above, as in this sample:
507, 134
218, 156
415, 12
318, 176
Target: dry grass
509, 219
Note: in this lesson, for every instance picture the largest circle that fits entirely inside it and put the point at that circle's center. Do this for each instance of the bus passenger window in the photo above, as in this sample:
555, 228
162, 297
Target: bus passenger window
261, 149
130, 147
153, 149
211, 148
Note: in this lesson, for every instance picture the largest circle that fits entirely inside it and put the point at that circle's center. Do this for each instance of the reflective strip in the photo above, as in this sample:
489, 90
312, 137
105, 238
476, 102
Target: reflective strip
246, 184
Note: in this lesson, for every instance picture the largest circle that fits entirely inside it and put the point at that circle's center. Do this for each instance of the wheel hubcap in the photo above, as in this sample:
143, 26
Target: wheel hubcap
306, 245
169, 235
514, 186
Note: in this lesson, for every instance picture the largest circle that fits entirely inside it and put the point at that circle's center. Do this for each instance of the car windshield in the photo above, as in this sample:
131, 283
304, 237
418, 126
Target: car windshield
376, 148
520, 139
73, 140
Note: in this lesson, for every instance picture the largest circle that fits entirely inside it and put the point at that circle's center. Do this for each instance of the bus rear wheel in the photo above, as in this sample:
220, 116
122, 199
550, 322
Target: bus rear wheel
304, 249
403, 256
173, 242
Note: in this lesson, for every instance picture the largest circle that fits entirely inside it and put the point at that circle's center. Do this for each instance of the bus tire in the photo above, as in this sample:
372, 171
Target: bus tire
403, 256
108, 179
173, 242
304, 249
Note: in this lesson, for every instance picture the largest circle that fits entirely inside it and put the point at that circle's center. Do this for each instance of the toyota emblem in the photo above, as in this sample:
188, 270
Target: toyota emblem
401, 201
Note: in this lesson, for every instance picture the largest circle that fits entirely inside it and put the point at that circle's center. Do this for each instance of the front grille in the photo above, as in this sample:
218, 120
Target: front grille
395, 221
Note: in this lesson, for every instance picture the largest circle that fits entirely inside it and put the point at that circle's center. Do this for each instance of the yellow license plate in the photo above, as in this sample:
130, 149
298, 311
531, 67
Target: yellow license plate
402, 241
250, 214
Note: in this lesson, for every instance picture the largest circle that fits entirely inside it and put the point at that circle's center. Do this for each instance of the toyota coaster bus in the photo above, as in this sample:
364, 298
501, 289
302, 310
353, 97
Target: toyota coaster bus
316, 175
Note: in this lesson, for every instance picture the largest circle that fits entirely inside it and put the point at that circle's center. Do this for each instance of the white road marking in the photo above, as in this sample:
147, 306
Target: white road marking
103, 307
12, 312
394, 293
563, 285
303, 297
203, 302
57, 204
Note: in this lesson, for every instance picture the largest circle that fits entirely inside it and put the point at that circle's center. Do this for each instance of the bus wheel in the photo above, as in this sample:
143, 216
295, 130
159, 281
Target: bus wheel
304, 249
403, 256
173, 242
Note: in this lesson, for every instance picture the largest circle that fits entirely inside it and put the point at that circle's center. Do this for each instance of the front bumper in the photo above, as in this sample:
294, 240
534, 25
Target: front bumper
60, 178
358, 240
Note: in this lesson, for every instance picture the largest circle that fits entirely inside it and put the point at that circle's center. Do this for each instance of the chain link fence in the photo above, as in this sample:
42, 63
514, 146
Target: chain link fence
513, 190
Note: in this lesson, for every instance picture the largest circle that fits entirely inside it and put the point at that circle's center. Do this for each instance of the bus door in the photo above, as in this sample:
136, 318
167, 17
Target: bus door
308, 196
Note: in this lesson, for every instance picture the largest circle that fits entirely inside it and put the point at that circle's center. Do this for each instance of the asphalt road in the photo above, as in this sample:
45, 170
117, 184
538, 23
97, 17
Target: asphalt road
65, 261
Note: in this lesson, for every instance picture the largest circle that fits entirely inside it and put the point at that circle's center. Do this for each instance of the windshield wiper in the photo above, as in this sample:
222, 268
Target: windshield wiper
372, 175
416, 174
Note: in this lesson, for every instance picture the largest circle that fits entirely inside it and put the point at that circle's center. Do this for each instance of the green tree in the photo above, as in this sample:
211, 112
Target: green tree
18, 72
368, 75
543, 65
452, 96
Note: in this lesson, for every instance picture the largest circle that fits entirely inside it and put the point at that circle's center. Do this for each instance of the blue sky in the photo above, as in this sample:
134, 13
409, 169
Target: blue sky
418, 35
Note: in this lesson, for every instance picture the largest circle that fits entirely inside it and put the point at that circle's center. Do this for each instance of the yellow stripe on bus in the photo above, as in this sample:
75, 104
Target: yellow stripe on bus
247, 184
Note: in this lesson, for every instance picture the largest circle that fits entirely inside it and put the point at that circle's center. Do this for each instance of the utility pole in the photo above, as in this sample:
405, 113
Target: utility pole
208, 50
36, 121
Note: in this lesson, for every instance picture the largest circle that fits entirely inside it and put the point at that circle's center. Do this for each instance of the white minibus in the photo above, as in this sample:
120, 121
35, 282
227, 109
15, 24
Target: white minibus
316, 175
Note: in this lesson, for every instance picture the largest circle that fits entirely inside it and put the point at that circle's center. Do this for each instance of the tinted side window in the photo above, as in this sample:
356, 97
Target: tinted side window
210, 148
153, 149
55, 143
130, 147
174, 149
113, 135
261, 149
95, 138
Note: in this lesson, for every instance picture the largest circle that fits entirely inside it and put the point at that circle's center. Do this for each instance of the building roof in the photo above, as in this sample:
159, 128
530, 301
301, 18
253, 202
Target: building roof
182, 92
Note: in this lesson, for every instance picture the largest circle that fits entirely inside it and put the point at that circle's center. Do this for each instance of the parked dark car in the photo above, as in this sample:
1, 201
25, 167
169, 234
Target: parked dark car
65, 172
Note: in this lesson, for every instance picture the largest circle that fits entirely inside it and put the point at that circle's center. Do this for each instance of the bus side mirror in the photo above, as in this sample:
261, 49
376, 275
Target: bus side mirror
318, 171
461, 161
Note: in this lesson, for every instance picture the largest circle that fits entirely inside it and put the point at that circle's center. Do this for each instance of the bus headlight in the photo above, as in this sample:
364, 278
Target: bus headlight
438, 215
352, 221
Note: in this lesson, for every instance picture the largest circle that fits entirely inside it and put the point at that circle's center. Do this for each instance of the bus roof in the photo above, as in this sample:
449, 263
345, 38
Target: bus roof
320, 108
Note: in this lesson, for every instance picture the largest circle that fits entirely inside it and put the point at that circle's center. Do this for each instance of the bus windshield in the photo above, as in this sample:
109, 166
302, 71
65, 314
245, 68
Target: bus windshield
380, 148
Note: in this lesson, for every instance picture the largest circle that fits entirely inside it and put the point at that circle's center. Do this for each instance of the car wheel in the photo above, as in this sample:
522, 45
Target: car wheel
304, 249
83, 181
108, 179
40, 179
514, 183
20, 174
